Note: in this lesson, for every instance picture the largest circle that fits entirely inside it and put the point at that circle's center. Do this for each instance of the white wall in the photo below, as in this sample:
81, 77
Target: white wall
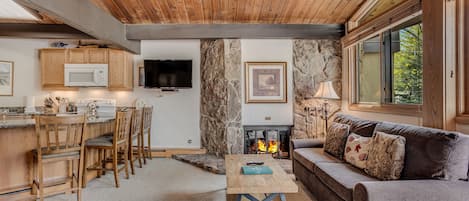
176, 116
268, 50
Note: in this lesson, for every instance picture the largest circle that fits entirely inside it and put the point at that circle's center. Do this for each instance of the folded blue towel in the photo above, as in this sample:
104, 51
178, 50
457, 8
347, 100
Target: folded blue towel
256, 169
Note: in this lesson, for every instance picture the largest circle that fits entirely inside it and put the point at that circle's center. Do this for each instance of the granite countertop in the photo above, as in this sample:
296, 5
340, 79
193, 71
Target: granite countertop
24, 123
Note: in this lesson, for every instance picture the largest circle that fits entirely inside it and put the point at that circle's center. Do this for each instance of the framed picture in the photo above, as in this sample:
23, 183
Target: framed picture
6, 78
141, 76
266, 82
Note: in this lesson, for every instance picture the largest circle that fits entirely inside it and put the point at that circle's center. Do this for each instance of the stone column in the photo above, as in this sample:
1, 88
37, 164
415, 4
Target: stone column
220, 109
314, 61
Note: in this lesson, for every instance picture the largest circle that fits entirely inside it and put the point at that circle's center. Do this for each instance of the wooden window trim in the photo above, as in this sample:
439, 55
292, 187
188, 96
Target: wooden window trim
405, 110
393, 17
462, 46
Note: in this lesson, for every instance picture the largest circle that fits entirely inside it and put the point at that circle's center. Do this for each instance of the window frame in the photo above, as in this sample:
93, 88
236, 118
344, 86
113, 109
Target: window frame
384, 106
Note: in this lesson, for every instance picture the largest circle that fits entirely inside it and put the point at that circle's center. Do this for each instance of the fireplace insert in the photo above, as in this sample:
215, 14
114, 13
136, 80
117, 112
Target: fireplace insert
267, 139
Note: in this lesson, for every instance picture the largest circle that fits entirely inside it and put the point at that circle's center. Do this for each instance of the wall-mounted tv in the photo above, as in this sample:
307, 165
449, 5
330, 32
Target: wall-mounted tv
168, 73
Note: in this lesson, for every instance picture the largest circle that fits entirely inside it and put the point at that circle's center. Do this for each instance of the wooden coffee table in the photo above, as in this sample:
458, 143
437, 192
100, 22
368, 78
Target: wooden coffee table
239, 185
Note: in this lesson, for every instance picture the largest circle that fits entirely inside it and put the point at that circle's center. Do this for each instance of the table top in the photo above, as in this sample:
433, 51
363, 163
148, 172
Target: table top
237, 183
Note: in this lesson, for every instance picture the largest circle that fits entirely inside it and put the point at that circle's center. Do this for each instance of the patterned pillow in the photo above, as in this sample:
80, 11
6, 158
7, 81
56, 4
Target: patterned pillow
336, 138
386, 156
356, 150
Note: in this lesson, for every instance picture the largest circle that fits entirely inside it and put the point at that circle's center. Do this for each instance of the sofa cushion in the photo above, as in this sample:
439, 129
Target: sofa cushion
335, 140
341, 178
386, 156
356, 150
361, 127
431, 153
309, 156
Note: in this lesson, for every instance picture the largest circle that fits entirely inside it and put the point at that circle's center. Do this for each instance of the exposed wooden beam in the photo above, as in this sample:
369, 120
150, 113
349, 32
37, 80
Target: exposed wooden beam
43, 31
361, 12
86, 17
198, 31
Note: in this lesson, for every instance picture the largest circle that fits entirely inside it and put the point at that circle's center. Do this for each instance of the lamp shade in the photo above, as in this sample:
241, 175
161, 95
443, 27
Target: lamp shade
326, 90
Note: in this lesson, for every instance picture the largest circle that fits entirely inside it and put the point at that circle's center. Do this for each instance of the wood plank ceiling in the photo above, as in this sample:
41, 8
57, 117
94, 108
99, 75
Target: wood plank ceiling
380, 7
230, 11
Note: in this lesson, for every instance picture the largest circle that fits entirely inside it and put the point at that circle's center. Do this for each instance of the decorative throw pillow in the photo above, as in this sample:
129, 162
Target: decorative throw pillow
356, 150
335, 140
386, 156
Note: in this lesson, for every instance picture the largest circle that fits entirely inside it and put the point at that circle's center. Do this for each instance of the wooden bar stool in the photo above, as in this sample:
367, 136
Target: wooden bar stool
136, 152
118, 144
59, 139
146, 130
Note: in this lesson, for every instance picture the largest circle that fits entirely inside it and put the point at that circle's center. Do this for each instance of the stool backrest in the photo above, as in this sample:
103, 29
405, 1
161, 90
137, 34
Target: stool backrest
147, 113
136, 123
60, 134
122, 128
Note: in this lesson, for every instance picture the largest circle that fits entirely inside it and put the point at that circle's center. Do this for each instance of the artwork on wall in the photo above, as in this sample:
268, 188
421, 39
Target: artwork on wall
266, 82
141, 76
6, 78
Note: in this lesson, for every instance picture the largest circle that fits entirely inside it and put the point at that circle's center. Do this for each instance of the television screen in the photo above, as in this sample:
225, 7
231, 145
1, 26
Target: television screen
168, 73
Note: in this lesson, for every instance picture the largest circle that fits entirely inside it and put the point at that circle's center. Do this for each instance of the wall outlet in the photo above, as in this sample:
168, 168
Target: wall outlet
268, 118
189, 141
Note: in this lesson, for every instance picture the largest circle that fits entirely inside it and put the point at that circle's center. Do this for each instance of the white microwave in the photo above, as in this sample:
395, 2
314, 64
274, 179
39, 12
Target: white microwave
86, 75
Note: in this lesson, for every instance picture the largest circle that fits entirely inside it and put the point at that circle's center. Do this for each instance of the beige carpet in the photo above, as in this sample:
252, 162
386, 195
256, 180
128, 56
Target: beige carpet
162, 180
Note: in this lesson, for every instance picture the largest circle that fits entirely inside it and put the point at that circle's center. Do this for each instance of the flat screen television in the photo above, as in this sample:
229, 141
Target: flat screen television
168, 73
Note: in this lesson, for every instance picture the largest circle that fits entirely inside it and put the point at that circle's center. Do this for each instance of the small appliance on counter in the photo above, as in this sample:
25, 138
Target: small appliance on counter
97, 108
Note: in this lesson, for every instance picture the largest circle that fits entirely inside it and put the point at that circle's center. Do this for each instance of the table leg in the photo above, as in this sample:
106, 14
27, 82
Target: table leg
282, 197
269, 197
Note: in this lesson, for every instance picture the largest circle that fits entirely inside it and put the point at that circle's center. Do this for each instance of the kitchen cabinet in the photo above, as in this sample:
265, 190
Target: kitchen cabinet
120, 70
77, 56
88, 56
52, 68
53, 59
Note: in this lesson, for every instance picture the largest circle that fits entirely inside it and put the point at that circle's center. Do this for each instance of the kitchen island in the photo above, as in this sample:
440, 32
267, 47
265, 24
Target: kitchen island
18, 139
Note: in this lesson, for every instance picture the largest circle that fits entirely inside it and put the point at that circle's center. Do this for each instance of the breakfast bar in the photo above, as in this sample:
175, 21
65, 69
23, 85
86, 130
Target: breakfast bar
17, 141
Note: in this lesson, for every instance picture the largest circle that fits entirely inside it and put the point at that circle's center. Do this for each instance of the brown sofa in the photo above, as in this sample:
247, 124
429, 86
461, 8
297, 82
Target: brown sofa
435, 169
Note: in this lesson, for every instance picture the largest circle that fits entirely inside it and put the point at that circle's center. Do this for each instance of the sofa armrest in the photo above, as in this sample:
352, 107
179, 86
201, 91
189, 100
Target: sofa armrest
306, 143
411, 190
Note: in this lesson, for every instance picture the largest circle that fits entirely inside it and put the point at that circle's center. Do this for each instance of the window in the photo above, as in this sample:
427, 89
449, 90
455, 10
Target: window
389, 66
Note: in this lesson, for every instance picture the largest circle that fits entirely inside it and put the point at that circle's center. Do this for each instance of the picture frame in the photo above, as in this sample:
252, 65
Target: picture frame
265, 82
6, 78
141, 76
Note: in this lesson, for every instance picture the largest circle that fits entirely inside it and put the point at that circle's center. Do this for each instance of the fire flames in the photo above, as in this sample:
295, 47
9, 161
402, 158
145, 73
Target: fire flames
272, 148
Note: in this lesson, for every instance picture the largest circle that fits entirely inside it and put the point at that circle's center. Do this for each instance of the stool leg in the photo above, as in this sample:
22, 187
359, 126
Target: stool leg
139, 150
41, 179
143, 149
83, 177
80, 174
131, 157
100, 161
126, 162
114, 166
103, 164
149, 143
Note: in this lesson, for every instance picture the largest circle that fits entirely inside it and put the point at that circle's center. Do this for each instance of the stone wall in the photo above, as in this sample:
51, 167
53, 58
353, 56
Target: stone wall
220, 109
314, 61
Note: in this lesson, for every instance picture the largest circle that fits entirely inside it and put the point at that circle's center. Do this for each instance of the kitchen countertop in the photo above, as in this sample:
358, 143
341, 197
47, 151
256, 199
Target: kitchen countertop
24, 123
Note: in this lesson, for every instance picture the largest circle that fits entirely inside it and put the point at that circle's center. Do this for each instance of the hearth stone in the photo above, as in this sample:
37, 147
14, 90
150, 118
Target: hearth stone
214, 164
208, 162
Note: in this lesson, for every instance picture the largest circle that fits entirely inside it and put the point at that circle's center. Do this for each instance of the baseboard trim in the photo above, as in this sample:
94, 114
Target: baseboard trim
169, 152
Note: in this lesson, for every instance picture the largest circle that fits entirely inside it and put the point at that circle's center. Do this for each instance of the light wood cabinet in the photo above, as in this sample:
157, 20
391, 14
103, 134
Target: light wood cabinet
52, 68
120, 70
53, 59
77, 56
98, 56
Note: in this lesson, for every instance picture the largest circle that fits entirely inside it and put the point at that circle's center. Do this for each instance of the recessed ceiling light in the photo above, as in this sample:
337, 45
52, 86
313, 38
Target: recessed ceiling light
11, 10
